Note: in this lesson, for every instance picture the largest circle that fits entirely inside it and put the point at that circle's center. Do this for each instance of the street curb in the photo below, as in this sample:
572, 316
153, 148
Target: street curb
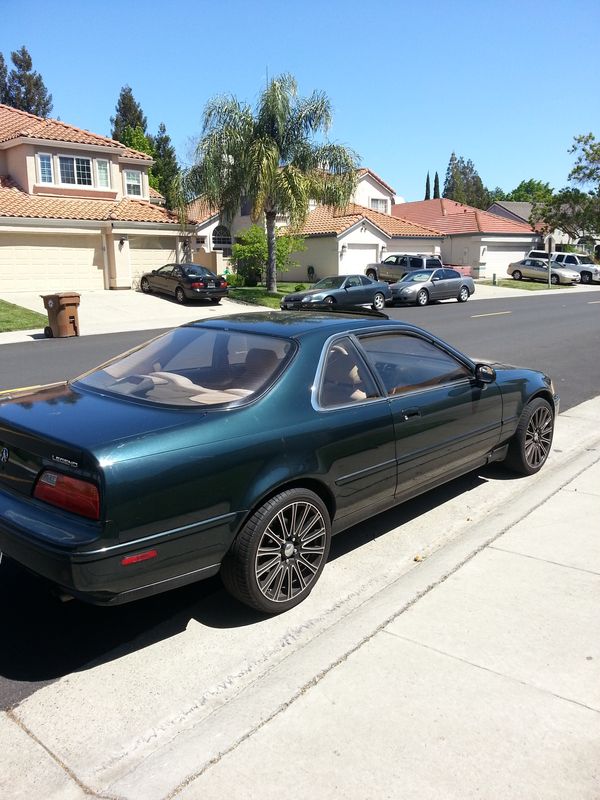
240, 717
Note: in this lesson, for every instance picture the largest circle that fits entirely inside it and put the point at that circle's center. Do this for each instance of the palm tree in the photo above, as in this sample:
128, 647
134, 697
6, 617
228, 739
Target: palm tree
273, 158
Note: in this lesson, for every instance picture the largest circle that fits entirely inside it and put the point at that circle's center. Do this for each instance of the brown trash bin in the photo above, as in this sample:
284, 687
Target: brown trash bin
63, 318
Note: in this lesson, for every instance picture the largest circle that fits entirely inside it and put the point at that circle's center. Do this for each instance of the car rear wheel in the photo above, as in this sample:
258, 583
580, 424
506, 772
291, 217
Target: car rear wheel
145, 286
279, 554
372, 274
517, 275
379, 301
215, 300
422, 297
530, 446
586, 277
179, 295
463, 295
554, 279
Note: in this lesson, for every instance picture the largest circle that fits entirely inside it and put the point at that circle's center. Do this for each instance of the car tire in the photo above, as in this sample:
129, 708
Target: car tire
517, 275
530, 446
463, 295
145, 286
278, 556
554, 280
372, 274
179, 295
378, 301
48, 332
215, 300
329, 301
586, 277
422, 297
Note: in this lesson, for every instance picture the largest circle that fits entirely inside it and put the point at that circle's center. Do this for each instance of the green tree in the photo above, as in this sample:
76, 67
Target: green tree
436, 187
138, 140
587, 163
463, 183
250, 252
273, 156
496, 195
3, 83
25, 88
427, 188
165, 168
128, 114
454, 186
531, 191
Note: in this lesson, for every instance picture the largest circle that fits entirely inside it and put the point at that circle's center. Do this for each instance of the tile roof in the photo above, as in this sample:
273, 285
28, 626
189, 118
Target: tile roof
450, 217
200, 211
15, 124
325, 220
366, 171
14, 202
519, 209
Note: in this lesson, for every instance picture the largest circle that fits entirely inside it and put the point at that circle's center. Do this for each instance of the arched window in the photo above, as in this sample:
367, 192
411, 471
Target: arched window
221, 239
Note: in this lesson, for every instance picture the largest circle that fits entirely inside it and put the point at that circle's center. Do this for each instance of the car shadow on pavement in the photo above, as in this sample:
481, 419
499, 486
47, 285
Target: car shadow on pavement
44, 639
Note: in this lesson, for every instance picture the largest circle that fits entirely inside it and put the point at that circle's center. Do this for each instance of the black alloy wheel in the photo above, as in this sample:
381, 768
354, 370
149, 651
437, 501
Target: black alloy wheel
517, 275
378, 301
422, 297
530, 446
145, 286
279, 554
463, 295
179, 295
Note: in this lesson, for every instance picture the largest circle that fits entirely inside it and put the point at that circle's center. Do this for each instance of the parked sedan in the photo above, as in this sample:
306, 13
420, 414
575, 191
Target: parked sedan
241, 444
340, 290
185, 282
537, 270
424, 285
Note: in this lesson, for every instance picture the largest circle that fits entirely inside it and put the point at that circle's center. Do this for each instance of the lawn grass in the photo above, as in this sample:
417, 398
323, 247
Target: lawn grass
16, 318
532, 286
258, 295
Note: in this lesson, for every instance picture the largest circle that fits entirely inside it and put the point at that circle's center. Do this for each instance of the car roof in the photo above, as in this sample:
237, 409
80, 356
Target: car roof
293, 324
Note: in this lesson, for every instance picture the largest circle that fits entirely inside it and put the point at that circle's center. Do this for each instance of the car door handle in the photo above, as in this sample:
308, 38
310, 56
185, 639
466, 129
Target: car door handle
407, 413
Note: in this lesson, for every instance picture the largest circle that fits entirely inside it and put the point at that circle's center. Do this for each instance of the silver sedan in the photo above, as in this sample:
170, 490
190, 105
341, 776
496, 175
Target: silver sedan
422, 285
537, 270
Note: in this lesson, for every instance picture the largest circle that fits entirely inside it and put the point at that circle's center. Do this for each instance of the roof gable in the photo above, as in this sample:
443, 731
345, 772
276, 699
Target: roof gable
450, 217
363, 171
327, 221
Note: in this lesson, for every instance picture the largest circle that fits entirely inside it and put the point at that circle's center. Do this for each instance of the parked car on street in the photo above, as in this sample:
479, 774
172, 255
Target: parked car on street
537, 270
185, 282
340, 290
395, 265
425, 285
241, 444
583, 264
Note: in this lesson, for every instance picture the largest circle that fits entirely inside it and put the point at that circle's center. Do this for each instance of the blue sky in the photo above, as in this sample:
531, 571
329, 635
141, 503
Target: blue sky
506, 84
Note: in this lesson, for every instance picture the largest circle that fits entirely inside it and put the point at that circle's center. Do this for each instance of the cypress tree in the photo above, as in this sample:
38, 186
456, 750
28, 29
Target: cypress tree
436, 187
3, 83
129, 114
165, 167
427, 189
24, 87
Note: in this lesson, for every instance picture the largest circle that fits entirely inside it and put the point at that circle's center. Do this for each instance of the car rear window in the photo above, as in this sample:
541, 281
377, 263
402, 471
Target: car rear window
433, 263
195, 366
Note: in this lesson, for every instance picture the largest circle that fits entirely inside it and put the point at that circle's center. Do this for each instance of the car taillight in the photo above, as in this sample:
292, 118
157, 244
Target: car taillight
72, 494
223, 283
198, 285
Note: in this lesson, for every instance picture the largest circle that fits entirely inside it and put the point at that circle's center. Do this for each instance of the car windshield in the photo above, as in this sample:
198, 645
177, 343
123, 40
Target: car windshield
418, 276
585, 260
195, 269
194, 366
330, 283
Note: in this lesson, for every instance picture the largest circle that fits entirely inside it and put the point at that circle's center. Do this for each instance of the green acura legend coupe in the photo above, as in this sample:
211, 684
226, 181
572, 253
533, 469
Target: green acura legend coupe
240, 444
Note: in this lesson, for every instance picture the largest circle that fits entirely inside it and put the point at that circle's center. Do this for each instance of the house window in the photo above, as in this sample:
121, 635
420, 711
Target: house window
377, 204
45, 168
221, 239
103, 174
75, 170
133, 182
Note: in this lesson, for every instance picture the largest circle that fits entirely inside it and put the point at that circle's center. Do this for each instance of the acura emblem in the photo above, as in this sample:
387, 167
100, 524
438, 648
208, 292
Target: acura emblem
4, 455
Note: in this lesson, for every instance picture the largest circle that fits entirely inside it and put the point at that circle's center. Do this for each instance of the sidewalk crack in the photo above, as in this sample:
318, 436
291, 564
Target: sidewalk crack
543, 560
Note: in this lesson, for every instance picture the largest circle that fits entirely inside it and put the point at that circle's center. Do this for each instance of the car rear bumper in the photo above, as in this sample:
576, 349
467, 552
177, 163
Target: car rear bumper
205, 294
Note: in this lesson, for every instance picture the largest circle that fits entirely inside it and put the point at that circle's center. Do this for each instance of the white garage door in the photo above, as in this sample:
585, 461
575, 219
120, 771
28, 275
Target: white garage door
45, 263
498, 257
356, 258
150, 252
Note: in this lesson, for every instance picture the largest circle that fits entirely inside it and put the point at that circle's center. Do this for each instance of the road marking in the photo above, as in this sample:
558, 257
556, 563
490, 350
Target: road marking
21, 389
593, 302
491, 314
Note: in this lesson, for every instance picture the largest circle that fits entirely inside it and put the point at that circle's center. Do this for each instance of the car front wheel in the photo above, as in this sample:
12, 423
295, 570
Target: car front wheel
517, 275
554, 280
530, 446
145, 286
372, 274
279, 554
379, 301
586, 277
179, 295
463, 295
422, 298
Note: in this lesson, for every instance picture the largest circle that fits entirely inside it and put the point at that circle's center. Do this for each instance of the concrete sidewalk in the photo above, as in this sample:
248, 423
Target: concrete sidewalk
474, 673
129, 310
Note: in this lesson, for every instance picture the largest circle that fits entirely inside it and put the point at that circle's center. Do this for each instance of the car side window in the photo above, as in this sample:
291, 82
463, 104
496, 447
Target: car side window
164, 272
365, 281
451, 273
570, 260
416, 263
351, 282
345, 378
390, 260
406, 363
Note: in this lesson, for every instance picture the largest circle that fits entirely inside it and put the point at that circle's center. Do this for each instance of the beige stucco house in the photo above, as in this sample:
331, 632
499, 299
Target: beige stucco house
75, 210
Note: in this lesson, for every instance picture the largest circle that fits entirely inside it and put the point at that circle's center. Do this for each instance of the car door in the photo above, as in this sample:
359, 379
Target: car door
445, 421
354, 291
437, 286
160, 279
355, 445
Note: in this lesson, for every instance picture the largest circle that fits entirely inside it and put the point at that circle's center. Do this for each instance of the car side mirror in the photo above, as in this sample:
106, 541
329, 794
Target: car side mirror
154, 272
484, 373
